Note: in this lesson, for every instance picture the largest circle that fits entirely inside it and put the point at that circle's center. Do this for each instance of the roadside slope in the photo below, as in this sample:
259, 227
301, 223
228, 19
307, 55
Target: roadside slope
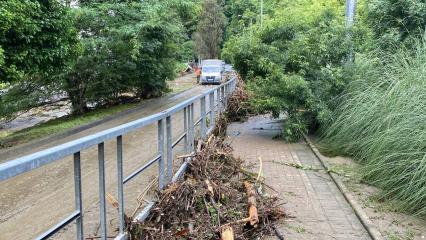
146, 108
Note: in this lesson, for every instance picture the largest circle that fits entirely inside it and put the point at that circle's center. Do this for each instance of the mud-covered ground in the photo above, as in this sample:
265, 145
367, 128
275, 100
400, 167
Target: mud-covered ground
33, 202
393, 224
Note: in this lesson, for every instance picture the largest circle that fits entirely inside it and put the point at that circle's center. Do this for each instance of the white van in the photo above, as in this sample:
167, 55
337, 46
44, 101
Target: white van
213, 62
211, 74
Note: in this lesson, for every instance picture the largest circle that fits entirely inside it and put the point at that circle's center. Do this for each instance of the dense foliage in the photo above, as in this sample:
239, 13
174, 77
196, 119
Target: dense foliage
294, 65
381, 121
35, 38
209, 34
93, 53
128, 47
396, 22
36, 42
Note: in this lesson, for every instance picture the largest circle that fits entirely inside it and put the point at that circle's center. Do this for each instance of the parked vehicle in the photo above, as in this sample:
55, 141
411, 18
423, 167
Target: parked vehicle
211, 74
218, 62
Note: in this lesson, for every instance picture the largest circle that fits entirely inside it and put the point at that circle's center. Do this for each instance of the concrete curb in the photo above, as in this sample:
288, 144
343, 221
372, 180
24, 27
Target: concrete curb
360, 213
54, 137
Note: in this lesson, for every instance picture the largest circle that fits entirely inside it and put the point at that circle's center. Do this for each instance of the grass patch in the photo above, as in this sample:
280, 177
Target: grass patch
59, 125
407, 235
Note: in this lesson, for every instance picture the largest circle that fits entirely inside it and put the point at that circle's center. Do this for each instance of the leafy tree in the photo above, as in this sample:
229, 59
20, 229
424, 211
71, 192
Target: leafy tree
36, 37
209, 34
37, 40
396, 21
128, 47
240, 14
294, 65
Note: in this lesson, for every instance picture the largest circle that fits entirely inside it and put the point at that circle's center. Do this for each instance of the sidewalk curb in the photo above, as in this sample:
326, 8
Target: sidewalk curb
54, 137
360, 213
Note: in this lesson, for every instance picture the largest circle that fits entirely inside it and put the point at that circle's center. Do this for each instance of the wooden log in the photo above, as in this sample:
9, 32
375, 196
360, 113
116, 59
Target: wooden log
227, 233
112, 200
252, 206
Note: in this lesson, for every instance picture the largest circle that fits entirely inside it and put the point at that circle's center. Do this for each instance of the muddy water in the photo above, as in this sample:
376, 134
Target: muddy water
33, 202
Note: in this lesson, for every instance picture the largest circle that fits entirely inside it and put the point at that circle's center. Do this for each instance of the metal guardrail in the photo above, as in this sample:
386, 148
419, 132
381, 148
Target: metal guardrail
217, 103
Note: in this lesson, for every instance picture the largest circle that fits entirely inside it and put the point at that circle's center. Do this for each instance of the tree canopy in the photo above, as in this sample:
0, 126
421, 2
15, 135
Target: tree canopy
36, 38
94, 53
209, 34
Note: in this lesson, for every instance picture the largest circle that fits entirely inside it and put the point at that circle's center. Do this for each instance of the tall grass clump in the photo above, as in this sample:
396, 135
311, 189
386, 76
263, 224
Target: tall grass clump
381, 121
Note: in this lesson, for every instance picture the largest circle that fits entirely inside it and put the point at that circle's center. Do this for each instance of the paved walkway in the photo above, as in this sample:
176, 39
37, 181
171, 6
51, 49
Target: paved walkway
319, 211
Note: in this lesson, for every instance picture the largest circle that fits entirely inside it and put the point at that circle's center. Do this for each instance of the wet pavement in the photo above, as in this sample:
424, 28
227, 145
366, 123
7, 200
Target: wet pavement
31, 203
317, 209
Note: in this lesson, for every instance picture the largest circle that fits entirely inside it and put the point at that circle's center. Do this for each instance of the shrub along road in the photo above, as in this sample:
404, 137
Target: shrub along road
39, 199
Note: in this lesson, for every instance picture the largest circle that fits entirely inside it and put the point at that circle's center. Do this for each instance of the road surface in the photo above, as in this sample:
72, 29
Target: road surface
33, 202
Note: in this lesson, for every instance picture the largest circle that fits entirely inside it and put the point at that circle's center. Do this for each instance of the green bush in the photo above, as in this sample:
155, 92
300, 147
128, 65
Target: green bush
294, 65
381, 122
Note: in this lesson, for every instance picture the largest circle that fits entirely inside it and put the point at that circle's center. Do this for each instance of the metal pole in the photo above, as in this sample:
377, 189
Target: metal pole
161, 153
185, 128
192, 127
189, 128
218, 99
350, 12
101, 160
222, 93
350, 18
212, 110
169, 148
203, 117
78, 201
120, 184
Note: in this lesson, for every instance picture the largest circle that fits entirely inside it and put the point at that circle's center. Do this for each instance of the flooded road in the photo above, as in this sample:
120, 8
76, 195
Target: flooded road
33, 202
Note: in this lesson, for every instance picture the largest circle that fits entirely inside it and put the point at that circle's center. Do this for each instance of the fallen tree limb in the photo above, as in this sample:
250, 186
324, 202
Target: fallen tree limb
112, 200
252, 207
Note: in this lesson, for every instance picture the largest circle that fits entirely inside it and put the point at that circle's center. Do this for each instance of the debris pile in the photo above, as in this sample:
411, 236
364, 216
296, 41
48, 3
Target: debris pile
217, 199
239, 107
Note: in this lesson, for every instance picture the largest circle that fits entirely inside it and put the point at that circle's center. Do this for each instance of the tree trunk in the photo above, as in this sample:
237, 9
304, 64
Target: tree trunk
76, 92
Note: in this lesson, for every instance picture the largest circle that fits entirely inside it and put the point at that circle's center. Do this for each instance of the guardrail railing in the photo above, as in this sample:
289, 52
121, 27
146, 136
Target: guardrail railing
217, 100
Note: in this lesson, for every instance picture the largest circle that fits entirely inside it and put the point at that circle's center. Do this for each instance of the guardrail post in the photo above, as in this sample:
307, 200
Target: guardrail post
102, 208
77, 193
203, 117
226, 87
218, 100
161, 154
192, 127
222, 99
169, 148
212, 110
120, 184
185, 128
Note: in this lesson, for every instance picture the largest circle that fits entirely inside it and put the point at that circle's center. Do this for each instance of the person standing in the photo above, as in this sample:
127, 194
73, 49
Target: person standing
198, 73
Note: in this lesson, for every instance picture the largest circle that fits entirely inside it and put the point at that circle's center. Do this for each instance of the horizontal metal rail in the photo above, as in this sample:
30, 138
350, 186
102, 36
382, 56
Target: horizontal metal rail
178, 140
217, 101
59, 226
147, 165
38, 159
